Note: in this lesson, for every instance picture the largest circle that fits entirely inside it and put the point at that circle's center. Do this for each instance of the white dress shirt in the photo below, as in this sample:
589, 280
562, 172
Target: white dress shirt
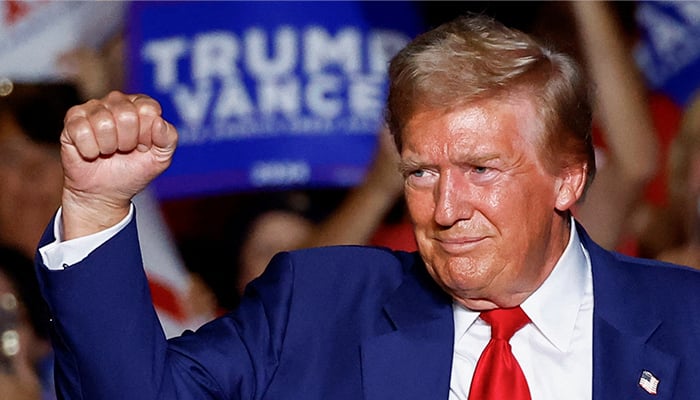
60, 254
555, 350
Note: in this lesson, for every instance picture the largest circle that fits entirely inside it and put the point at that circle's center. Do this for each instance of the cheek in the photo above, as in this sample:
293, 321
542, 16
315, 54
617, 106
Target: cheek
516, 208
420, 205
498, 202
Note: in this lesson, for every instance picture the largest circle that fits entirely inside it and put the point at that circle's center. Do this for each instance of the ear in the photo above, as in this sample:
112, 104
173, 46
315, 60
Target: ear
570, 183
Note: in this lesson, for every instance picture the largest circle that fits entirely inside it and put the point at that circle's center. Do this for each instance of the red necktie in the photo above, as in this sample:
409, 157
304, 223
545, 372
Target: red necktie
498, 375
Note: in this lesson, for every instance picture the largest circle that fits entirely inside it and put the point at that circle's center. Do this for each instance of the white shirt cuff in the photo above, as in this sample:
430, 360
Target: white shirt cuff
60, 254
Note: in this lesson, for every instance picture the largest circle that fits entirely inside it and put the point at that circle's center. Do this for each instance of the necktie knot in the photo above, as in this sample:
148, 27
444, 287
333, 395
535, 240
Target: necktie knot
505, 321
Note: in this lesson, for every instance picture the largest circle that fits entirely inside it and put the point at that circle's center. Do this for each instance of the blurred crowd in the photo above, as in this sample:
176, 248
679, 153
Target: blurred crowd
201, 252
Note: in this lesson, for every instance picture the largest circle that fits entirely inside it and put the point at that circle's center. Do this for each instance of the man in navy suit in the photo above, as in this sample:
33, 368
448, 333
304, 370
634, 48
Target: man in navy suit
494, 135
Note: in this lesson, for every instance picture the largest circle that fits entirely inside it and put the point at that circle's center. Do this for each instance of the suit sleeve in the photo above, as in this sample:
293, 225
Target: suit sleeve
109, 344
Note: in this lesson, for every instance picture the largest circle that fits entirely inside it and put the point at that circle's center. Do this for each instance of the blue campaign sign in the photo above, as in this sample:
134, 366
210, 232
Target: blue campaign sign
267, 94
669, 50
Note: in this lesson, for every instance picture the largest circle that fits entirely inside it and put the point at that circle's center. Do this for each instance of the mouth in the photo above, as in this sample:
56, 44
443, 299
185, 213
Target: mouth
459, 245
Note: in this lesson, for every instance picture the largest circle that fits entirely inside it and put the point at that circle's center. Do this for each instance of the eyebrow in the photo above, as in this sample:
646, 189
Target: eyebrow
482, 159
408, 165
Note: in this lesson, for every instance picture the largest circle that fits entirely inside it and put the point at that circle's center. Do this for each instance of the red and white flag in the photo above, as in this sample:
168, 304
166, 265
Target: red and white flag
168, 278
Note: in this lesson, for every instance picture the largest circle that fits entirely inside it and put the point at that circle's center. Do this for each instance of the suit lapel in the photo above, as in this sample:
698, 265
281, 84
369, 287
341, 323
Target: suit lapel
619, 359
622, 329
414, 359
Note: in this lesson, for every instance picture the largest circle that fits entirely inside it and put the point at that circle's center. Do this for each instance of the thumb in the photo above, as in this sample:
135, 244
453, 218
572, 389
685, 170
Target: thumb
164, 139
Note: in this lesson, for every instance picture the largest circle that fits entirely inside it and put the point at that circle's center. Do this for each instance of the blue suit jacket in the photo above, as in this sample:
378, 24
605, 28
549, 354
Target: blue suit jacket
344, 323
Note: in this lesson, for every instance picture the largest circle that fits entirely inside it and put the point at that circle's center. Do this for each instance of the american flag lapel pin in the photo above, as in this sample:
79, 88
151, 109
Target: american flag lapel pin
649, 382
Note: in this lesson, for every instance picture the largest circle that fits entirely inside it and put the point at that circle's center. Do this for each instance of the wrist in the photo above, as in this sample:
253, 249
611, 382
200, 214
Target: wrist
83, 216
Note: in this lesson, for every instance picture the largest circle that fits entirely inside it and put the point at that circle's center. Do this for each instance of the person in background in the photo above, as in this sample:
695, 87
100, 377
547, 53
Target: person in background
673, 234
494, 135
271, 232
631, 158
25, 351
31, 177
268, 222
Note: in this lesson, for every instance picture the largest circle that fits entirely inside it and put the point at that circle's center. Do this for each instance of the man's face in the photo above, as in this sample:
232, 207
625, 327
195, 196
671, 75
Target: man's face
482, 201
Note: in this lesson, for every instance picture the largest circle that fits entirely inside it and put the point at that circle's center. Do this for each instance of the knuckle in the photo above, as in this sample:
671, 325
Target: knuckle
147, 106
104, 125
127, 117
80, 131
115, 95
73, 122
74, 112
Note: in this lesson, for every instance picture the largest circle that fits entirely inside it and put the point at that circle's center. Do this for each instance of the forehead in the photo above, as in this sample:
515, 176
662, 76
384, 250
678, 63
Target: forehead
483, 125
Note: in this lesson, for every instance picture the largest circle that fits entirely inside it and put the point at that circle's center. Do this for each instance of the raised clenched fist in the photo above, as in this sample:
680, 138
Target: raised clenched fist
111, 149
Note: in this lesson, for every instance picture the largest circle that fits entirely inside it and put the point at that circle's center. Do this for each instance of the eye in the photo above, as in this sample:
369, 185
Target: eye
419, 173
482, 175
420, 178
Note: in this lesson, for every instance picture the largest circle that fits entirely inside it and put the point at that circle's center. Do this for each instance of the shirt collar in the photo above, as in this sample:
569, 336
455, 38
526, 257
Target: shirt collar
565, 287
554, 306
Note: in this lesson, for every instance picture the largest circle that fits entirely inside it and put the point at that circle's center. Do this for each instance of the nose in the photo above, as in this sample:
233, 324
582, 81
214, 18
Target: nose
452, 199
